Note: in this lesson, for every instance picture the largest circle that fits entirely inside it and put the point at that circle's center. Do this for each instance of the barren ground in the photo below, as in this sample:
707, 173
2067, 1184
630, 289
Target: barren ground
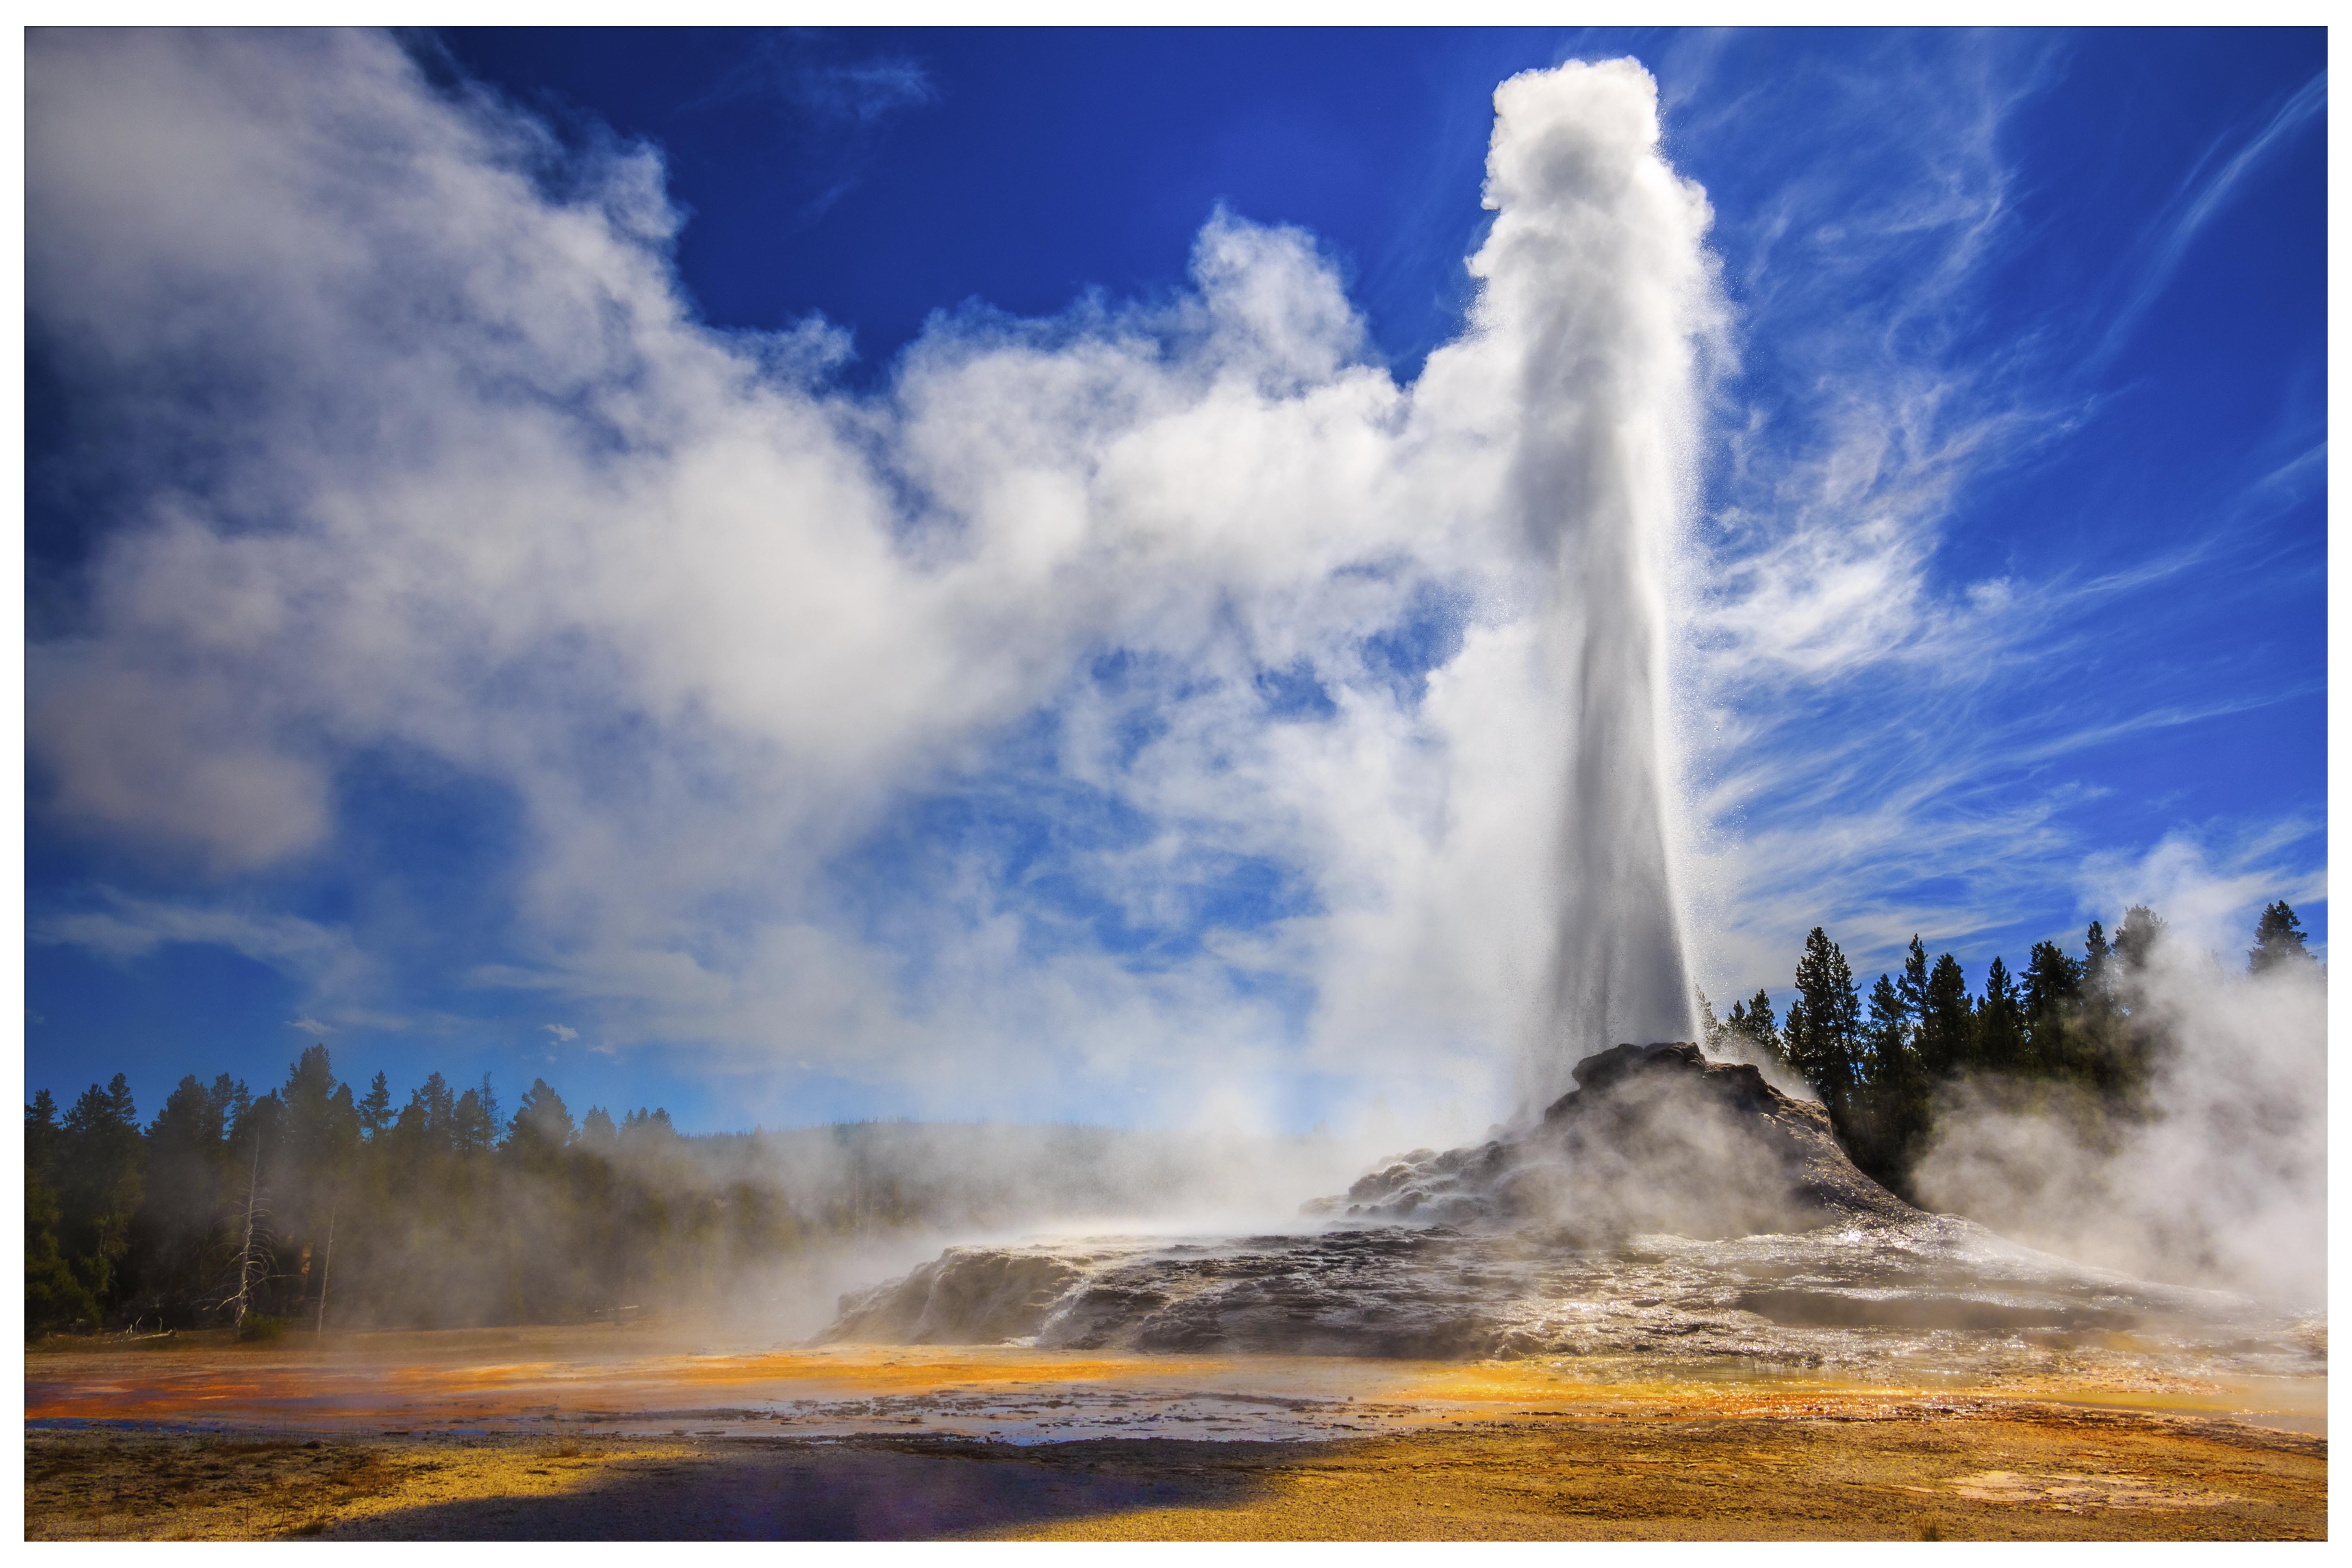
600, 1435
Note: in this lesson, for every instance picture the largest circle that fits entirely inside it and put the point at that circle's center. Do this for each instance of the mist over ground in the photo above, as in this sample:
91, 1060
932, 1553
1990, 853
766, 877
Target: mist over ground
2224, 1185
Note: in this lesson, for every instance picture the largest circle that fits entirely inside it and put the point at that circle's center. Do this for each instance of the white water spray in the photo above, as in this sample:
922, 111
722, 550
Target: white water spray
1596, 283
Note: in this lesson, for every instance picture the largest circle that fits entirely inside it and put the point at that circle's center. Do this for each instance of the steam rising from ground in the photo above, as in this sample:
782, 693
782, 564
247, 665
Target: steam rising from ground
992, 1186
2226, 1185
1325, 709
1668, 1203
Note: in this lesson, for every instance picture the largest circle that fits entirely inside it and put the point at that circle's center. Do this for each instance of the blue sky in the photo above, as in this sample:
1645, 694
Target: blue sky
474, 478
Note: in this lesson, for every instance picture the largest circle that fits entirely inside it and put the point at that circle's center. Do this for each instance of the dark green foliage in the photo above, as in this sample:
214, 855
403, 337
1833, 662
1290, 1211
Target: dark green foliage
2053, 999
472, 1120
1823, 1038
2278, 942
96, 1164
597, 1134
55, 1298
436, 1220
433, 1219
1912, 989
376, 1111
2080, 1022
2000, 1044
1751, 1031
1947, 1019
542, 1125
1883, 1116
2136, 938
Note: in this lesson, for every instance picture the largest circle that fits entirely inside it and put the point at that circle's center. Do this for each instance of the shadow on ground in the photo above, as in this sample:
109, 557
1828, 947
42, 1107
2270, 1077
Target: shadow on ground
754, 1490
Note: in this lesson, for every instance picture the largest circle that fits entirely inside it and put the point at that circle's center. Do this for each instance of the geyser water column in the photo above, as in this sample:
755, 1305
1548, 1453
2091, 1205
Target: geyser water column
1596, 283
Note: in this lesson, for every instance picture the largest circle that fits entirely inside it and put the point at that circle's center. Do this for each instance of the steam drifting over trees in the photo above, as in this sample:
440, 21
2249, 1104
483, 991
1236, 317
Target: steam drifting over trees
322, 1207
2082, 1026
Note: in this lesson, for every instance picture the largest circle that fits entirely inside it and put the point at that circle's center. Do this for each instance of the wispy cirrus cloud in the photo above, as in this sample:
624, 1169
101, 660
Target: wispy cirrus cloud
847, 105
2204, 195
127, 927
789, 74
1877, 726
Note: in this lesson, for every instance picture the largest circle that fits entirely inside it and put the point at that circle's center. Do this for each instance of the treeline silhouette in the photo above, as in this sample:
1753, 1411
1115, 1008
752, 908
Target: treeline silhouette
317, 1206
312, 1205
2074, 1023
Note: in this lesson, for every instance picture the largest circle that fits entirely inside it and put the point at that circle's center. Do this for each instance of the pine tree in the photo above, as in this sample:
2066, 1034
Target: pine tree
2098, 1030
471, 1130
41, 1134
376, 1111
2139, 1035
2278, 942
99, 1158
2137, 939
2000, 1024
440, 1107
541, 1125
1945, 1020
1823, 1035
490, 1108
1885, 1126
54, 1296
597, 1134
1888, 1036
1912, 988
2053, 1004
1752, 1023
2098, 965
180, 1217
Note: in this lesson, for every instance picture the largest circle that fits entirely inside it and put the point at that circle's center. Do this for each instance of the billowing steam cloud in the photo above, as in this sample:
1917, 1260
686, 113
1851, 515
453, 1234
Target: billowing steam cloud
1334, 702
2220, 1180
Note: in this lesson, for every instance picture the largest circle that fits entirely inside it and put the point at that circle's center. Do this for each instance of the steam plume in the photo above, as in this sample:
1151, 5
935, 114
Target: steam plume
1595, 282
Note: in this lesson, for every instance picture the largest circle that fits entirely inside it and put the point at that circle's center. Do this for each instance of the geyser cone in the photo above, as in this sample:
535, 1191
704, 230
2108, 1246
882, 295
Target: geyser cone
1669, 1205
1595, 281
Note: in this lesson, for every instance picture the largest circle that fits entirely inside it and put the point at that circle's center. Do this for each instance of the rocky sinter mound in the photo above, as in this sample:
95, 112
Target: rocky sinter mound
1669, 1205
1653, 1139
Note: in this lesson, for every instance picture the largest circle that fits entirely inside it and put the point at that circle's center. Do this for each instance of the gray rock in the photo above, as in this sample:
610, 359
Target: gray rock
1668, 1206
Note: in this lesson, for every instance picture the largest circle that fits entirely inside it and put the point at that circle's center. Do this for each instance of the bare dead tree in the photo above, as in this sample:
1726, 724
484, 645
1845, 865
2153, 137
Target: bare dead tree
326, 1269
246, 1256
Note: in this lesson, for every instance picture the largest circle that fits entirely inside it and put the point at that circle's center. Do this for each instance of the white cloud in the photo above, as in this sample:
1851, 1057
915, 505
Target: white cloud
2210, 887
467, 481
563, 1033
126, 927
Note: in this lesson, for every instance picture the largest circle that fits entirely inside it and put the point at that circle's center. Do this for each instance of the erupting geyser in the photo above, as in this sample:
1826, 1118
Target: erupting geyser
1665, 1203
1595, 280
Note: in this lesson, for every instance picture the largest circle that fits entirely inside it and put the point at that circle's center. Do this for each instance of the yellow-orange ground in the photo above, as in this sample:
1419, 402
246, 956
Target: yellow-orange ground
467, 1436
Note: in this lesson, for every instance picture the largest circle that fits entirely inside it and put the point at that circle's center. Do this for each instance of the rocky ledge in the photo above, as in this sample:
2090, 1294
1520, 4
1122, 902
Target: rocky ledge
1670, 1205
1653, 1139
